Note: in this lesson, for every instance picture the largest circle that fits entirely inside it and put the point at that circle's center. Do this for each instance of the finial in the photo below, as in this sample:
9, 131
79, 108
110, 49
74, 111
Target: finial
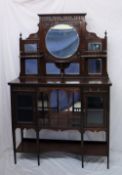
105, 33
20, 35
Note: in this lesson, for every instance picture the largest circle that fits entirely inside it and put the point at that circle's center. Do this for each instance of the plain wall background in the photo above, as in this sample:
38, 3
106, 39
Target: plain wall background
20, 16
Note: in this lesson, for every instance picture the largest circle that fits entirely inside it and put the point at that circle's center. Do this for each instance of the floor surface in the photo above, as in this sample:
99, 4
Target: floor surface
57, 163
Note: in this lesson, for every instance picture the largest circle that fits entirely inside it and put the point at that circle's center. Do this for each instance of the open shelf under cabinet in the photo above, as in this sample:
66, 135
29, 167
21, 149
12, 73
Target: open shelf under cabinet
89, 148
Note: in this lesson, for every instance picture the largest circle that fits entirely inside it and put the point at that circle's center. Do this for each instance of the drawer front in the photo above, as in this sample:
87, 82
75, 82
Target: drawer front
23, 89
95, 89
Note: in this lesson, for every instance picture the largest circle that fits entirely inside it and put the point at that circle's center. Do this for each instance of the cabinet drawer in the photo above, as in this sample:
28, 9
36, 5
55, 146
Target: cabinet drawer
23, 89
95, 89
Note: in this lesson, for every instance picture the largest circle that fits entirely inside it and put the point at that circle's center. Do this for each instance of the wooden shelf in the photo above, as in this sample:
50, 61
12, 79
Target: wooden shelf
89, 148
30, 146
95, 148
95, 129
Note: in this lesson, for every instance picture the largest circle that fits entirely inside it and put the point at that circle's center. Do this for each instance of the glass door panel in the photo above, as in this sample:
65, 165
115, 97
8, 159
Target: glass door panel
94, 117
24, 107
94, 111
59, 108
42, 103
24, 115
64, 100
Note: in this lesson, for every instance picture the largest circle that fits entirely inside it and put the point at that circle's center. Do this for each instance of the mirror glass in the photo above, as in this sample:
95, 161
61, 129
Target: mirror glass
52, 69
30, 48
95, 46
73, 68
31, 66
94, 66
62, 41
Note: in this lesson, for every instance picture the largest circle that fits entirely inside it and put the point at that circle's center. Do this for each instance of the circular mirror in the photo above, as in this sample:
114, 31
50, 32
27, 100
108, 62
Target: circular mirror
62, 41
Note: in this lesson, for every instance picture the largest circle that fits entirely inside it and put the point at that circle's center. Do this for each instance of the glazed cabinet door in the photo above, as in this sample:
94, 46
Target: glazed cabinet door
95, 110
24, 107
59, 108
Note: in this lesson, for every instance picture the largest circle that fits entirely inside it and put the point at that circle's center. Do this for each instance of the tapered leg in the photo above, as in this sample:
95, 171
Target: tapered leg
82, 129
38, 149
82, 152
21, 134
14, 144
108, 161
22, 138
82, 161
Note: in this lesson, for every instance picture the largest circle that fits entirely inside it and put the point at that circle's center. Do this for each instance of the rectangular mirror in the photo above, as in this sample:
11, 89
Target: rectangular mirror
52, 69
94, 66
73, 68
30, 47
31, 67
94, 46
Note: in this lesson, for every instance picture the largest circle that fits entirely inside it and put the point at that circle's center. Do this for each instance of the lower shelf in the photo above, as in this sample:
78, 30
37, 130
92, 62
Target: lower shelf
95, 148
89, 148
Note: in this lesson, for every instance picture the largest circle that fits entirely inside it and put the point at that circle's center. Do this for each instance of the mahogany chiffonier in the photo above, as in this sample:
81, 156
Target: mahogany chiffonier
63, 85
